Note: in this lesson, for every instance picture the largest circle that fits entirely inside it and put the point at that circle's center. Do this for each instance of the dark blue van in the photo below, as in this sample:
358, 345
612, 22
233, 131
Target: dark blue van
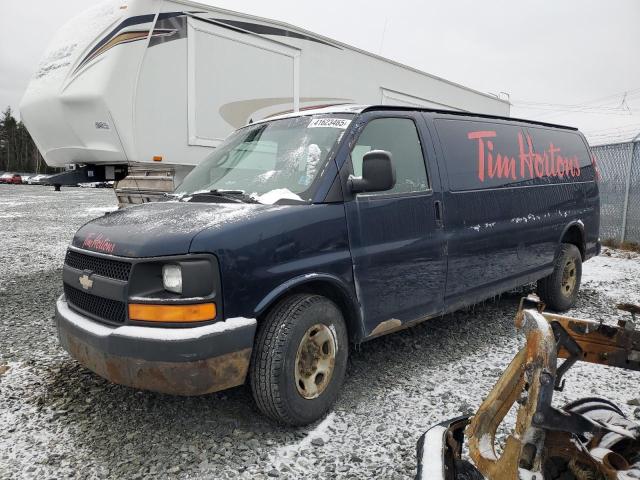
306, 232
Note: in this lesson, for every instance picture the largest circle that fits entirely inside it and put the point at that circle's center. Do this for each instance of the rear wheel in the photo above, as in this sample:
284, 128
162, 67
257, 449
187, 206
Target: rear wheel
299, 359
559, 290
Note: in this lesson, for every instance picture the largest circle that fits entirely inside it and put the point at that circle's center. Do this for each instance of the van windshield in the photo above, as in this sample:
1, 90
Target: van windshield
270, 161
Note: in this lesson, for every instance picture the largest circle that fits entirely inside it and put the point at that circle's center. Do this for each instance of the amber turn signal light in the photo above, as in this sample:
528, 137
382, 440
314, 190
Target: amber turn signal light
198, 312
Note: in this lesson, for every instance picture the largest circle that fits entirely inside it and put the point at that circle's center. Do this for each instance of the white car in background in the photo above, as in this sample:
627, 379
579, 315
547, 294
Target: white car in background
36, 180
96, 185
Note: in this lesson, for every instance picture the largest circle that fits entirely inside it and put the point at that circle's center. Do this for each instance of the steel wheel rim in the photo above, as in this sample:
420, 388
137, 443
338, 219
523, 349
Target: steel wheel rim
569, 278
315, 361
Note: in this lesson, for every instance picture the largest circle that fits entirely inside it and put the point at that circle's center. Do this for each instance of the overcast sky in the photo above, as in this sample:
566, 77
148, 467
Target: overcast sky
567, 61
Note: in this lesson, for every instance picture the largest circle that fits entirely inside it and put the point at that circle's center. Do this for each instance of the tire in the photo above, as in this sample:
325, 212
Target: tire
284, 383
559, 290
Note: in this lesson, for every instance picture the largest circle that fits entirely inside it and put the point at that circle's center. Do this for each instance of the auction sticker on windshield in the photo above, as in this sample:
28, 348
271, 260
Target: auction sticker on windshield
329, 123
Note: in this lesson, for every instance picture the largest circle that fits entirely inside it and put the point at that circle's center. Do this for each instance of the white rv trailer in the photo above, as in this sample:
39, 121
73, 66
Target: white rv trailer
158, 83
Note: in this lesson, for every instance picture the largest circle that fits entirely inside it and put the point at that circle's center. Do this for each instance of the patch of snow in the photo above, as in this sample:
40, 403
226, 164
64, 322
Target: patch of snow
95, 328
7, 203
478, 227
175, 334
93, 210
314, 154
273, 196
529, 475
535, 320
162, 218
320, 430
152, 333
20, 373
266, 175
529, 218
485, 445
611, 274
73, 38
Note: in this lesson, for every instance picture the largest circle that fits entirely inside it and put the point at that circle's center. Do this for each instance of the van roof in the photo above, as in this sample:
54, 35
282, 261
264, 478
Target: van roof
353, 108
465, 114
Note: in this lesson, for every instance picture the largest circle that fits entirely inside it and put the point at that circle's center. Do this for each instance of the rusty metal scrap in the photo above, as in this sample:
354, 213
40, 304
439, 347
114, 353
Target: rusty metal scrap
591, 435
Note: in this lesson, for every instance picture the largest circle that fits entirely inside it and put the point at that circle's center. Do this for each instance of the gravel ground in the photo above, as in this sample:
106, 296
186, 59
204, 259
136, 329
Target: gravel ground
59, 420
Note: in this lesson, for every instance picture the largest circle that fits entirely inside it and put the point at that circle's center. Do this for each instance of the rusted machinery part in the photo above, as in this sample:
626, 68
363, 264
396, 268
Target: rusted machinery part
615, 346
539, 427
614, 455
533, 367
588, 439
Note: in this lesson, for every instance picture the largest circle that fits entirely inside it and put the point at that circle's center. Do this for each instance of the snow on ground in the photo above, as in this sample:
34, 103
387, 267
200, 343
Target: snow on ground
612, 273
58, 419
38, 224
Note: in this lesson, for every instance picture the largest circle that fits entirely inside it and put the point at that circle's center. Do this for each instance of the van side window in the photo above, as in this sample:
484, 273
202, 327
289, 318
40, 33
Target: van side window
572, 150
481, 155
398, 136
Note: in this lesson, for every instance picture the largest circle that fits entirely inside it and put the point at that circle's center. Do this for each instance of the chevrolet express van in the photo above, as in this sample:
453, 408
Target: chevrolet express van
306, 232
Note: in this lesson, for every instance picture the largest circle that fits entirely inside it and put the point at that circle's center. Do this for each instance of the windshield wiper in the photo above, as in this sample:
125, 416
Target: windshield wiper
236, 196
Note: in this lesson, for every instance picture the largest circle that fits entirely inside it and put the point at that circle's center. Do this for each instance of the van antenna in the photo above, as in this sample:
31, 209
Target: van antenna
384, 31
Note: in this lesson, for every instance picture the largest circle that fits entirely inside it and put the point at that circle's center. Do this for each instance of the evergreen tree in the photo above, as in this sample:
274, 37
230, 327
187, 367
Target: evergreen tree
18, 152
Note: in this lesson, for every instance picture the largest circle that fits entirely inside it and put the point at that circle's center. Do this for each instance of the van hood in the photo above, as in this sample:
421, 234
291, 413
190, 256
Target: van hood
163, 228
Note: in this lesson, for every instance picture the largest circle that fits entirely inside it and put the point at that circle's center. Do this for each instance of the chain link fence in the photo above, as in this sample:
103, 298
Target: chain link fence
619, 166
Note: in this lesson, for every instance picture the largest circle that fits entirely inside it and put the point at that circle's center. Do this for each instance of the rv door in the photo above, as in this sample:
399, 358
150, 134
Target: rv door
234, 78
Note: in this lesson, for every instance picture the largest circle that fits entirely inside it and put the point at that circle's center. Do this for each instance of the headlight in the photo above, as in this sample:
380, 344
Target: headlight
172, 278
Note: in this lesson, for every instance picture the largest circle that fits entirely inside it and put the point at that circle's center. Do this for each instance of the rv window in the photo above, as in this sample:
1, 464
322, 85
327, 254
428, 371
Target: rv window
398, 136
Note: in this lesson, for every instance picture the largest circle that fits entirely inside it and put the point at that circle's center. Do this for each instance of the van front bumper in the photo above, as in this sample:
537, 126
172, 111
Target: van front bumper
178, 361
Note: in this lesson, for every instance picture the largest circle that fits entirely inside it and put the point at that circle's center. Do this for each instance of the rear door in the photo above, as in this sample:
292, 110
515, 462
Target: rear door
396, 237
567, 191
484, 211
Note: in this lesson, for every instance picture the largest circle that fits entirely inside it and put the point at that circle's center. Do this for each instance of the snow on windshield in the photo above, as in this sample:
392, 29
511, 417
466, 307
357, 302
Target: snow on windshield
76, 35
270, 161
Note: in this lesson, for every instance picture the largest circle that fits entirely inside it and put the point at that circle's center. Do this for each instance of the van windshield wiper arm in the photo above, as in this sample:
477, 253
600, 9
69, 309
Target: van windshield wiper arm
235, 195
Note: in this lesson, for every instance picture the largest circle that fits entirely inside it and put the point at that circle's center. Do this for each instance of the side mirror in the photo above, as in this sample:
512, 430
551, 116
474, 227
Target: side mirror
378, 173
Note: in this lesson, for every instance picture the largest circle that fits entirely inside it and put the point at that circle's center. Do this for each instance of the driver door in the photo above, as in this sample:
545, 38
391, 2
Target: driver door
396, 237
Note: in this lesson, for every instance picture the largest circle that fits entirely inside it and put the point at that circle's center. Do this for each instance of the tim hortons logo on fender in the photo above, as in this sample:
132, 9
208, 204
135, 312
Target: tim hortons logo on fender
98, 242
549, 162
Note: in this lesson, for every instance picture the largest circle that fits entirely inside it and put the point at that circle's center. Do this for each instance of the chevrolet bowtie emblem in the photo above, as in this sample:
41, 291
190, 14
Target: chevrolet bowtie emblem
86, 282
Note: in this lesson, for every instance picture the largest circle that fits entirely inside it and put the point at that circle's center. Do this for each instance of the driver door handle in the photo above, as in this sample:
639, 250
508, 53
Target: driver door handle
437, 205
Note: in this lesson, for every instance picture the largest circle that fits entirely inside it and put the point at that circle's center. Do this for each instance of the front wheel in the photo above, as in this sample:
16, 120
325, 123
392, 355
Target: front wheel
559, 290
299, 359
